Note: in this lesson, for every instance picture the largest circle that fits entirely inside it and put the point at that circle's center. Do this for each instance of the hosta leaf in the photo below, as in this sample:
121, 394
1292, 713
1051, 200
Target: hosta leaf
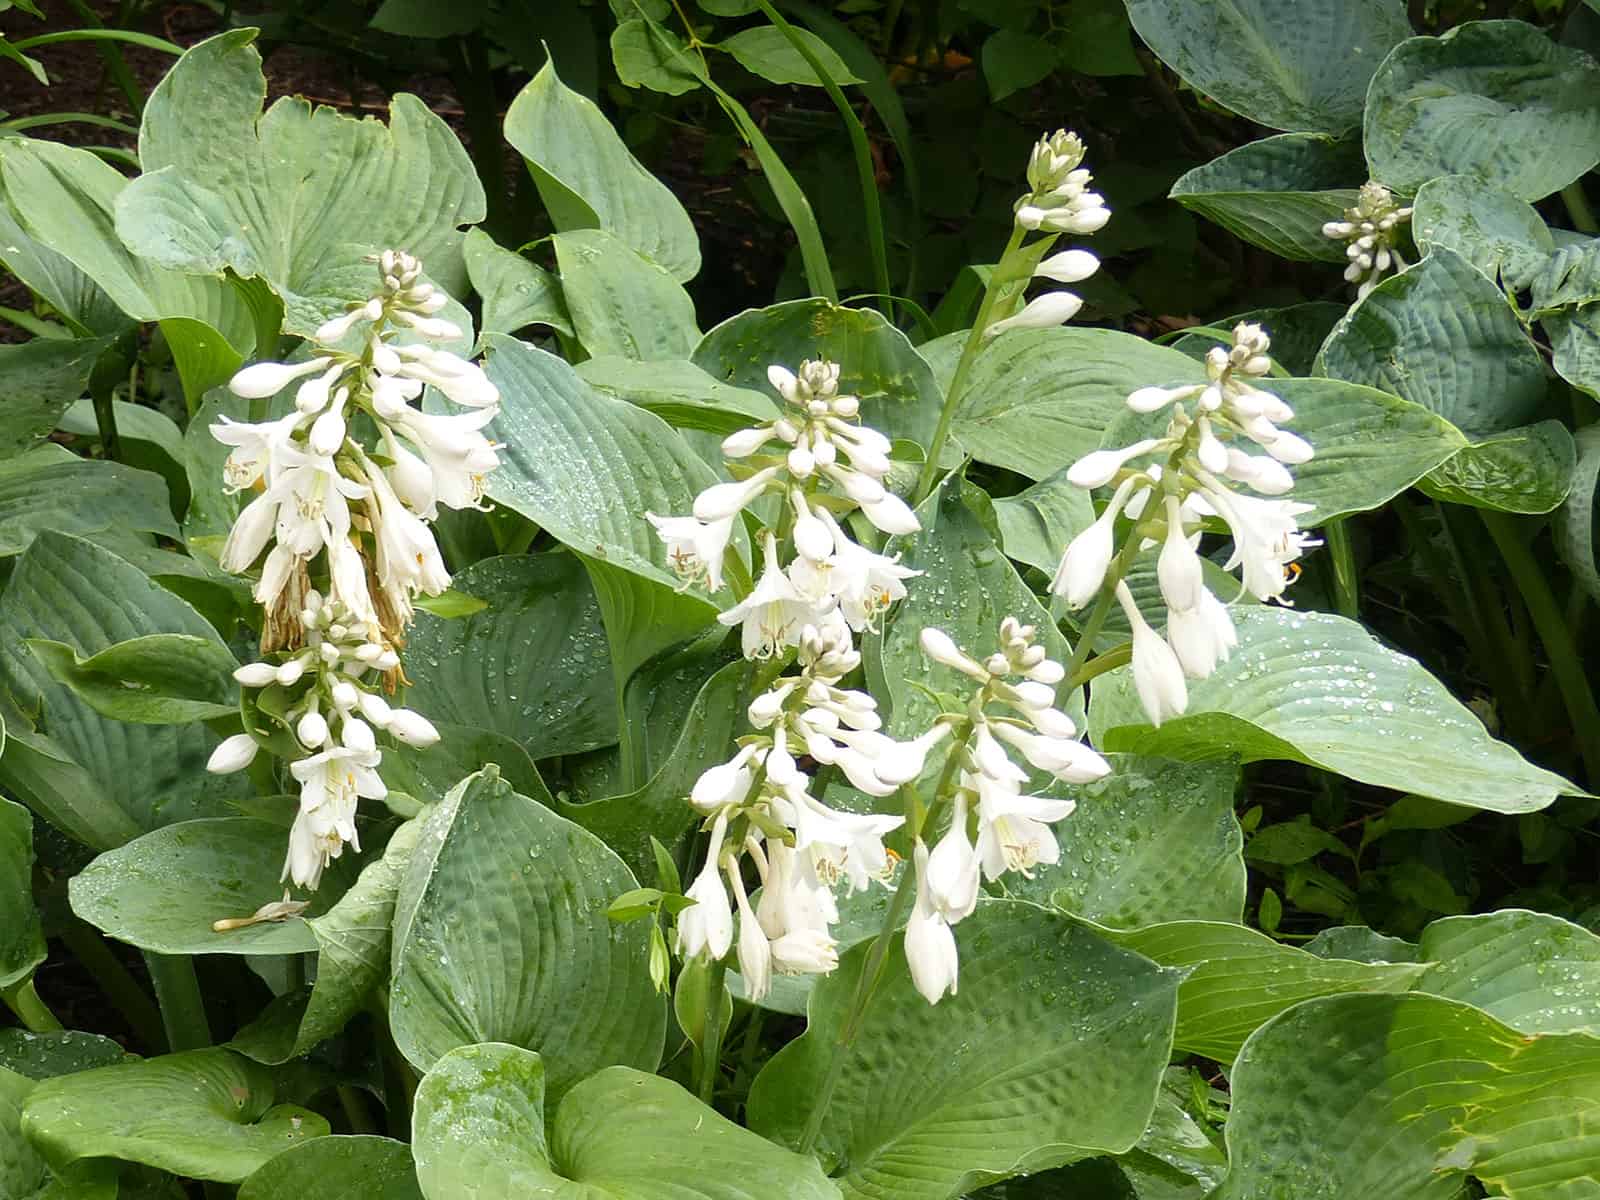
1426, 1092
1570, 276
51, 488
1153, 841
101, 780
899, 395
158, 679
532, 666
1037, 523
297, 195
1278, 192
207, 1114
646, 58
41, 379
1237, 979
766, 51
1534, 971
622, 303
1500, 234
589, 180
70, 292
62, 1052
480, 1129
1575, 347
1443, 336
1038, 400
1527, 470
516, 293
501, 934
21, 937
24, 1173
1303, 64
1574, 526
1498, 100
680, 393
337, 1168
162, 891
1008, 1079
1319, 689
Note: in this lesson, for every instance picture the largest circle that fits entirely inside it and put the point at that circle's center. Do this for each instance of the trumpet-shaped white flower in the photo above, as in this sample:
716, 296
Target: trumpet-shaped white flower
774, 612
952, 873
930, 946
331, 784
706, 927
695, 548
1157, 672
1042, 312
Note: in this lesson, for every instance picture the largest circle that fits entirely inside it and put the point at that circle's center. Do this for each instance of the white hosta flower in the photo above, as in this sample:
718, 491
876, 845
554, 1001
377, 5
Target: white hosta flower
1088, 556
1068, 759
755, 952
1202, 636
723, 500
456, 452
1178, 568
1267, 537
1370, 230
1099, 467
263, 379
695, 548
408, 560
1042, 312
865, 583
773, 613
1069, 266
840, 844
411, 727
1014, 831
1157, 673
706, 927
256, 448
332, 783
952, 871
462, 382
930, 947
232, 754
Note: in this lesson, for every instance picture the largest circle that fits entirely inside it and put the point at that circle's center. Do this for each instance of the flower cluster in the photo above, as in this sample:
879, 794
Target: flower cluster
829, 466
760, 803
1169, 503
329, 695
1013, 712
1058, 201
341, 533
1371, 229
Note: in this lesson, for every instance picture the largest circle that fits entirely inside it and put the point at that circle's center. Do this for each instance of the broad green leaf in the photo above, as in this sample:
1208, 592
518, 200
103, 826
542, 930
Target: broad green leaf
21, 937
1013, 60
1500, 234
162, 891
41, 379
206, 1114
101, 780
767, 52
1575, 348
427, 18
899, 395
1038, 400
1527, 470
24, 1173
63, 1052
644, 59
158, 679
71, 292
622, 303
533, 665
1570, 276
1236, 979
481, 1129
501, 934
1153, 841
297, 195
1426, 1092
1286, 64
150, 440
1497, 100
1574, 526
1037, 523
516, 293
1319, 689
1361, 944
352, 941
585, 468
996, 1080
1535, 972
589, 180
51, 488
1442, 335
680, 393
1278, 192
337, 1168
204, 358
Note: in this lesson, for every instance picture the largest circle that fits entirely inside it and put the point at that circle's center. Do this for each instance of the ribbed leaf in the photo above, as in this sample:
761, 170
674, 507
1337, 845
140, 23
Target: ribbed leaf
680, 393
337, 1168
1501, 235
622, 303
51, 488
516, 293
21, 937
41, 379
1534, 971
24, 1173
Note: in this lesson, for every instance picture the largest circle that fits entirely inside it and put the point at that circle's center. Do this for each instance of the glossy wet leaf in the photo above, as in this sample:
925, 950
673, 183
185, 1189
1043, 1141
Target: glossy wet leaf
622, 303
1534, 971
1527, 470
21, 938
501, 934
61, 1052
1037, 523
1319, 689
337, 1168
588, 179
1500, 234
1286, 64
41, 379
158, 679
680, 393
1278, 192
481, 1129
24, 1173
1497, 100
1007, 1078
51, 488
516, 293
297, 195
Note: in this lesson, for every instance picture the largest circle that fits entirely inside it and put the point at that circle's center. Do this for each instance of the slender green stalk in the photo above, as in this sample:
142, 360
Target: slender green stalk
399, 1084
1503, 653
183, 1009
711, 1047
998, 278
116, 66
866, 173
356, 1111
1566, 664
1578, 208
1091, 630
752, 1042
33, 1012
1117, 656
1346, 591
125, 992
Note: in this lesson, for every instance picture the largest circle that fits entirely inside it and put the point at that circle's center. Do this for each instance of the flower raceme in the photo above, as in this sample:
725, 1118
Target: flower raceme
1201, 473
1370, 230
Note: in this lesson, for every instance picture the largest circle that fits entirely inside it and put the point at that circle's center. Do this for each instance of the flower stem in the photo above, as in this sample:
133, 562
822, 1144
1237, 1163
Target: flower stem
711, 1049
183, 1009
998, 278
125, 992
33, 1012
1346, 594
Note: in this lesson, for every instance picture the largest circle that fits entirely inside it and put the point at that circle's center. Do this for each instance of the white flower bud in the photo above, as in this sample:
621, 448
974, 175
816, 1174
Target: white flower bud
412, 727
312, 730
256, 675
232, 754
1070, 266
263, 379
1042, 312
746, 441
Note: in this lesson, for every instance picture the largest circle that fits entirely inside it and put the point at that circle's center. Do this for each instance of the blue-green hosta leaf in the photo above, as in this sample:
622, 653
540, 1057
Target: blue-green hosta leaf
62, 1052
680, 393
588, 179
621, 302
899, 395
206, 1114
21, 937
157, 679
481, 1129
1500, 234
1575, 347
1426, 1092
1037, 523
297, 195
24, 1172
337, 1168
41, 379
50, 488
1534, 971
501, 934
516, 293
1008, 1078
1319, 689
1295, 64
76, 297
1498, 100
1527, 470
1278, 192
1298, 331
